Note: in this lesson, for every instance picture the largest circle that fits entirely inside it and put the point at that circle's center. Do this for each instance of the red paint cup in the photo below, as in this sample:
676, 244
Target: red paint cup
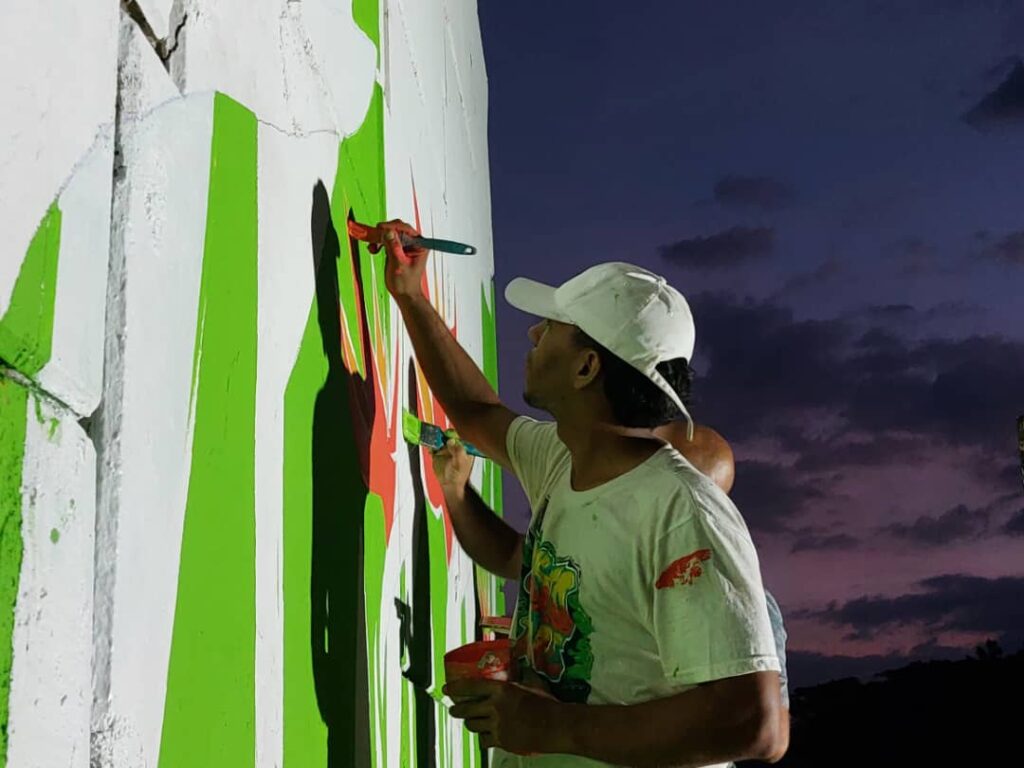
484, 660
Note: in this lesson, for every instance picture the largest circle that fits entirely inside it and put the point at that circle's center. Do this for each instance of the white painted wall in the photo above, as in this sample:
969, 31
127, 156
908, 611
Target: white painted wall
50, 692
307, 72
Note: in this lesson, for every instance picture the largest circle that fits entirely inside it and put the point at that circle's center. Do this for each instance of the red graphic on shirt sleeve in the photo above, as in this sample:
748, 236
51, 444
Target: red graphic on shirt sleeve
685, 570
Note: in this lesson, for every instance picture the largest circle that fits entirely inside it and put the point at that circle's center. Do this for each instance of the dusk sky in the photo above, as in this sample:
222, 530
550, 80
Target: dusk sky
837, 190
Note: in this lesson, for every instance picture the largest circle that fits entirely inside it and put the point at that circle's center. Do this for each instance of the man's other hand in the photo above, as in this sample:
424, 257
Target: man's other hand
506, 715
452, 467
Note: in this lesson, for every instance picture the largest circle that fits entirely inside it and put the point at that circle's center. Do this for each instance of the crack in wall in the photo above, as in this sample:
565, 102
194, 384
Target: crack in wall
105, 430
164, 47
37, 391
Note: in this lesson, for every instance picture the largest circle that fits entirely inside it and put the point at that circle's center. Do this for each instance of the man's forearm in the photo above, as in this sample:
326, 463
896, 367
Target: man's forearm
695, 728
454, 377
487, 539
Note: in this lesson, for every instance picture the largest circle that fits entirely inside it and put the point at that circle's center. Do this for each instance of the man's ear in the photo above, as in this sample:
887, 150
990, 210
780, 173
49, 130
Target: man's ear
588, 368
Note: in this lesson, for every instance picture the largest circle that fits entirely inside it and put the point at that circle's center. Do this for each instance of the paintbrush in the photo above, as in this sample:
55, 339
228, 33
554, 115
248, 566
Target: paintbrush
423, 433
375, 235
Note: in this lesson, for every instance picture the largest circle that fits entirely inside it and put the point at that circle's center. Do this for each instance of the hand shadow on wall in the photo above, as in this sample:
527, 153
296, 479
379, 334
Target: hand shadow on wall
342, 422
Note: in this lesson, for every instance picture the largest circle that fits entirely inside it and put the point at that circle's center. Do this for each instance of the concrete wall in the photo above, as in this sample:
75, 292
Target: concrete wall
216, 549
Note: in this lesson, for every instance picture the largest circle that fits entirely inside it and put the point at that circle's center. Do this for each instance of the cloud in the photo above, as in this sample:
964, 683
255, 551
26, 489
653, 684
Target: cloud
757, 363
1015, 525
958, 524
768, 495
849, 392
762, 192
950, 603
825, 272
723, 250
807, 668
1010, 249
878, 451
809, 539
1002, 107
915, 256
888, 317
966, 391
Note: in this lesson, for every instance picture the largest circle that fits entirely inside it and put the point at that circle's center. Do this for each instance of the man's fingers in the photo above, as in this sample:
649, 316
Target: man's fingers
470, 710
479, 725
470, 688
399, 226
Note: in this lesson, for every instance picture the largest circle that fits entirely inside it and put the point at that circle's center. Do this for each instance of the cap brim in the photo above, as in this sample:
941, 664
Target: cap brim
534, 298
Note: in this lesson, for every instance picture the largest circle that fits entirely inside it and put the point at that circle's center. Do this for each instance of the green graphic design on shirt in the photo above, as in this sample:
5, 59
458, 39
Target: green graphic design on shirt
551, 632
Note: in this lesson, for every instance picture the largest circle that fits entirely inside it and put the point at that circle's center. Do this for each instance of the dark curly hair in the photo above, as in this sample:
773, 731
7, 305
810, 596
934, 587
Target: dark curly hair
634, 399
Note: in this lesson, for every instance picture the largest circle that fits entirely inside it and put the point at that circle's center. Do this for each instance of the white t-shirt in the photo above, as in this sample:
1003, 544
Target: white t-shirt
638, 589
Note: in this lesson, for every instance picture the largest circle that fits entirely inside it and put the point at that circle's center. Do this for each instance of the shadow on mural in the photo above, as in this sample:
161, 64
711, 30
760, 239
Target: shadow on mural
342, 420
415, 632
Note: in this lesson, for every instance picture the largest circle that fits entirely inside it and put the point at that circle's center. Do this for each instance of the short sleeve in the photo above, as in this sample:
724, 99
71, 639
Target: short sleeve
534, 451
779, 631
708, 609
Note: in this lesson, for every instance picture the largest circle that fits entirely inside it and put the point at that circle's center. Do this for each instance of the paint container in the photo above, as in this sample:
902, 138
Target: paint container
483, 660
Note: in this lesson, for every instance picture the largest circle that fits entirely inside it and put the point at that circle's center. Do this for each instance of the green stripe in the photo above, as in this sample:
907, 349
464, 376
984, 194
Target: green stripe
13, 416
209, 712
321, 469
305, 735
365, 14
373, 578
26, 329
491, 486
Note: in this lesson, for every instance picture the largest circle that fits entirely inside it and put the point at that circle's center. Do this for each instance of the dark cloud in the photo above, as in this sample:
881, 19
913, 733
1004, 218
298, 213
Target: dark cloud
757, 362
914, 247
1009, 249
915, 256
1002, 107
1015, 525
723, 250
958, 524
768, 496
951, 603
762, 192
806, 668
824, 273
965, 391
907, 316
879, 451
810, 539
762, 373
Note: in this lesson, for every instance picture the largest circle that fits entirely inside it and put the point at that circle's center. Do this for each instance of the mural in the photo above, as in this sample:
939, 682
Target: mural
217, 549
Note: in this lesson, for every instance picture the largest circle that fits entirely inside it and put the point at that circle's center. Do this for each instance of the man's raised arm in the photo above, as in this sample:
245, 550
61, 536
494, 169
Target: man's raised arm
454, 377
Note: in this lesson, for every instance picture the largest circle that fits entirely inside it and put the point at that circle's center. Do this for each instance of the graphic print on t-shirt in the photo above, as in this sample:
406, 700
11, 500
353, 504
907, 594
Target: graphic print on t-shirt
551, 632
685, 570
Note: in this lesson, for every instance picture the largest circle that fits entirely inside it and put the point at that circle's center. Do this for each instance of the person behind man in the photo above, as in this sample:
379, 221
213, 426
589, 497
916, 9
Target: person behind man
641, 604
709, 452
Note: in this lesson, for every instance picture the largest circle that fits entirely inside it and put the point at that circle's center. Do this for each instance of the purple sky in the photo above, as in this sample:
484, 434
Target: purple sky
837, 189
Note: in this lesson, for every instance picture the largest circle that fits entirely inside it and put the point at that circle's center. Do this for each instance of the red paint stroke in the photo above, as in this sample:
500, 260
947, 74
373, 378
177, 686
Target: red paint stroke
685, 570
434, 412
383, 446
373, 428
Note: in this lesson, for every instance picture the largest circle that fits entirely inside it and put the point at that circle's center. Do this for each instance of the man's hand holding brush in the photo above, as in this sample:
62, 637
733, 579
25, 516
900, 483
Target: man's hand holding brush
403, 273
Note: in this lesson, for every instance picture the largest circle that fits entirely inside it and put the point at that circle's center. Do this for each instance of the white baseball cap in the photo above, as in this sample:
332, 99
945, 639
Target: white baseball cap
630, 311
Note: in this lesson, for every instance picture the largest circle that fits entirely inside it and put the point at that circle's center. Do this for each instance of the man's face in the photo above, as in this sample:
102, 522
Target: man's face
545, 362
